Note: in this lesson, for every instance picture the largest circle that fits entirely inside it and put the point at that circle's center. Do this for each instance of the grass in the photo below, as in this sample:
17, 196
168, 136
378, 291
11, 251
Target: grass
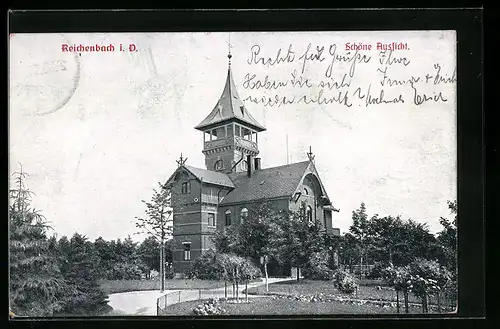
118, 286
269, 306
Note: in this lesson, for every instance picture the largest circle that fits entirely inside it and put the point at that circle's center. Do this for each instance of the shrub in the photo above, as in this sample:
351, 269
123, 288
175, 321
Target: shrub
169, 273
317, 268
210, 307
213, 266
377, 271
345, 282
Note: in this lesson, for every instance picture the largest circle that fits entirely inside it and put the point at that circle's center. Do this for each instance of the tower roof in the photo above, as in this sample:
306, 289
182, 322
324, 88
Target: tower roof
230, 107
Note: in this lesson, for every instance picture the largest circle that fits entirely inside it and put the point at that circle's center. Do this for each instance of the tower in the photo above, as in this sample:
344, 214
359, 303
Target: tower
229, 132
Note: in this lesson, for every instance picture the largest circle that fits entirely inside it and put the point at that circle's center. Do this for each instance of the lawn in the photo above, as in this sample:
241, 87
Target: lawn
117, 286
269, 306
311, 287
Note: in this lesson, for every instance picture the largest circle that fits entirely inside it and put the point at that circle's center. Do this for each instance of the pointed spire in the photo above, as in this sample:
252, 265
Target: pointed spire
230, 106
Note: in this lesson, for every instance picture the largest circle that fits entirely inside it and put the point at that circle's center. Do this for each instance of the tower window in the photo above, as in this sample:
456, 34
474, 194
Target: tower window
186, 188
309, 214
187, 251
228, 217
214, 134
244, 215
211, 219
219, 165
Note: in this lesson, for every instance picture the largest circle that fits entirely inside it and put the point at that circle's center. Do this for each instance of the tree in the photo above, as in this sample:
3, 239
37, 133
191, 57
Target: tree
107, 257
37, 287
360, 231
158, 222
81, 271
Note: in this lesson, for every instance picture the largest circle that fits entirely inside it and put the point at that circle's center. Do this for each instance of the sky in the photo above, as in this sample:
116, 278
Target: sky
97, 131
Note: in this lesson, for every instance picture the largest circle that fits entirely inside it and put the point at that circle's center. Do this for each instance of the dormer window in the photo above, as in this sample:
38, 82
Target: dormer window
219, 165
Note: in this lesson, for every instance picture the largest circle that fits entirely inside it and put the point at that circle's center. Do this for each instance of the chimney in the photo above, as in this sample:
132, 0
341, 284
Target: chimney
257, 163
249, 166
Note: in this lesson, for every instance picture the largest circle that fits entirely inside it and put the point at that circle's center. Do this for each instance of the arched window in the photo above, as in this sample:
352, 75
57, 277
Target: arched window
306, 192
186, 188
244, 215
219, 165
309, 213
228, 217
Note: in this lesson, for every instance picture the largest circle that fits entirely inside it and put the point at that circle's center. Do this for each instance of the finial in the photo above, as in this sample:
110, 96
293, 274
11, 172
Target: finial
229, 46
181, 161
310, 154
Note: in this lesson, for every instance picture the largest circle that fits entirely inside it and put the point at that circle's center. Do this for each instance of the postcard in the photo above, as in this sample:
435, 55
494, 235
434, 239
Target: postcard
233, 173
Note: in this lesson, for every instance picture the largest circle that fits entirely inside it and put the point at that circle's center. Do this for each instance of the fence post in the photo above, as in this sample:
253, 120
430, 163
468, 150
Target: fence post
179, 296
199, 294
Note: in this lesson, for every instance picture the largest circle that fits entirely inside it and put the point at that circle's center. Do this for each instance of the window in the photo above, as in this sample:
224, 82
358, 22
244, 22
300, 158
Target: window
309, 214
214, 134
186, 188
228, 217
187, 251
306, 192
219, 165
244, 165
211, 219
244, 215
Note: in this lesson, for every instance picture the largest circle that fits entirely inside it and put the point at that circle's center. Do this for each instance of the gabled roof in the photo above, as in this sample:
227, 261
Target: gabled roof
273, 182
207, 176
230, 107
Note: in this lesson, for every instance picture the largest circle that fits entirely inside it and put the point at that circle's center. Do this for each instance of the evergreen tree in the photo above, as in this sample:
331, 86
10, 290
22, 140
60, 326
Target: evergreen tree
81, 271
37, 287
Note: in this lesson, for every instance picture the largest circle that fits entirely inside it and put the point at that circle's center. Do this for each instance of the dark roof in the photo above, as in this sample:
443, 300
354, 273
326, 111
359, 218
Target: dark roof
229, 107
266, 183
211, 177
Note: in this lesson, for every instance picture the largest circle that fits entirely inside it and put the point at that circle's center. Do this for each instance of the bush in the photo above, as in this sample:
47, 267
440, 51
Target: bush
210, 307
169, 273
213, 266
345, 282
377, 271
123, 271
317, 268
206, 267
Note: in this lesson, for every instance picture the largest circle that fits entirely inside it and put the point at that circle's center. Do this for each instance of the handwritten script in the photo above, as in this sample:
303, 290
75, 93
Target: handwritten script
328, 74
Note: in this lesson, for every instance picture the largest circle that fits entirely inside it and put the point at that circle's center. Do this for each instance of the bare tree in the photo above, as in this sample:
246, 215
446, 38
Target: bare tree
158, 222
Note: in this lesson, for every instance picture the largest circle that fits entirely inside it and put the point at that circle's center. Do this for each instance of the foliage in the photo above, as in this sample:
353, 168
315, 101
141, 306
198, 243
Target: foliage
210, 307
80, 269
158, 220
317, 267
397, 277
227, 267
427, 277
37, 287
377, 271
345, 282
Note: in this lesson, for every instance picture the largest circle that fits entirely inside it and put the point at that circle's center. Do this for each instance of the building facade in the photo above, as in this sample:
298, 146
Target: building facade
223, 193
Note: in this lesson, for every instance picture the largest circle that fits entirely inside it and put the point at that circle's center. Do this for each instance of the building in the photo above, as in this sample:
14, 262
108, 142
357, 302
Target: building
206, 200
